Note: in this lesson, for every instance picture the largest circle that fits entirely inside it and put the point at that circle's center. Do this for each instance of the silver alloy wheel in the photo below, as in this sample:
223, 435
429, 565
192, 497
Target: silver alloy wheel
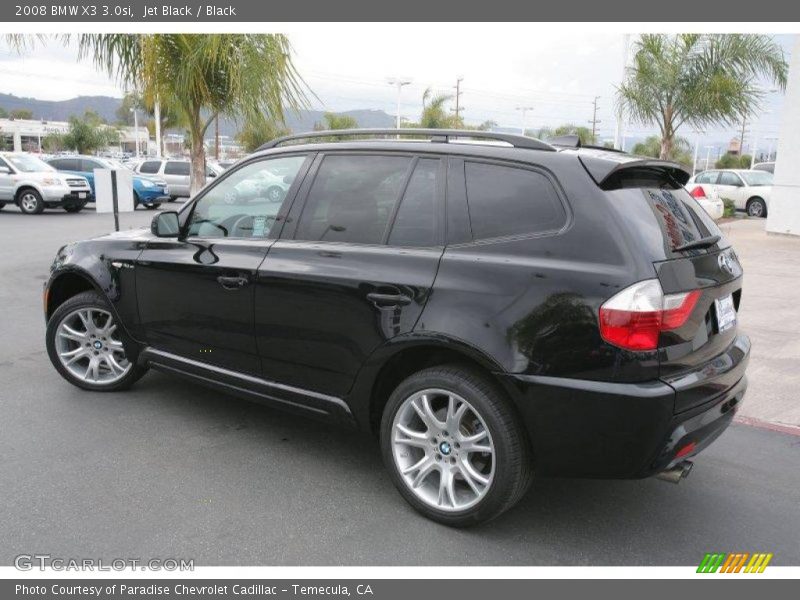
443, 450
756, 208
274, 194
29, 202
89, 346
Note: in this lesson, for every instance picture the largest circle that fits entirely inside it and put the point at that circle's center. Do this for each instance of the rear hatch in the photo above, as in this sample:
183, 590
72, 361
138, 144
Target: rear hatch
705, 356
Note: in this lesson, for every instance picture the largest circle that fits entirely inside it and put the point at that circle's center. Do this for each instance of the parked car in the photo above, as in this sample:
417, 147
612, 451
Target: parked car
749, 190
226, 164
149, 192
176, 172
708, 199
769, 167
488, 311
33, 185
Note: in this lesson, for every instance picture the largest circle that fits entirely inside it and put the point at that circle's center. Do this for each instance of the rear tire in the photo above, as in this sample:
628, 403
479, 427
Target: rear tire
756, 207
89, 348
151, 206
30, 202
456, 470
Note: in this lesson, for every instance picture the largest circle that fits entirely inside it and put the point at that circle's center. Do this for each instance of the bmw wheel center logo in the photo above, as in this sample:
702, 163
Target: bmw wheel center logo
444, 448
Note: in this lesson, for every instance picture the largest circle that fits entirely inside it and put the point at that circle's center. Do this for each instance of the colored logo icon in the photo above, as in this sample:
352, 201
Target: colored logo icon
738, 562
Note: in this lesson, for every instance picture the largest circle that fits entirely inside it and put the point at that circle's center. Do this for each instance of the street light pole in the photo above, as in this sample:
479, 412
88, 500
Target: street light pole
696, 149
524, 110
136, 130
398, 82
708, 156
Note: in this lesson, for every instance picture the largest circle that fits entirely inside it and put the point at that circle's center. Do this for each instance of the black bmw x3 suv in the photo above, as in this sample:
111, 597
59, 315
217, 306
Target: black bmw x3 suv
490, 307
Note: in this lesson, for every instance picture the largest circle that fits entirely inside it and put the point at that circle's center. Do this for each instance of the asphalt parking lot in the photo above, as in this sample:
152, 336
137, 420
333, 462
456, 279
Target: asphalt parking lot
171, 469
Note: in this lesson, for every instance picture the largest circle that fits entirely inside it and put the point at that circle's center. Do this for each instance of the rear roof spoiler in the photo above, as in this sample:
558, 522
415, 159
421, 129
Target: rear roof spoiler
605, 166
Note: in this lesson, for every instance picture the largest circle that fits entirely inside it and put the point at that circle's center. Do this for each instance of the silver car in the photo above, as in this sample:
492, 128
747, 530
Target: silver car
33, 185
175, 171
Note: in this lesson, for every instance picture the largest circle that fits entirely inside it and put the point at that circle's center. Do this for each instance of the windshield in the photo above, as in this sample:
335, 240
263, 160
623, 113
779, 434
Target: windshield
25, 163
757, 177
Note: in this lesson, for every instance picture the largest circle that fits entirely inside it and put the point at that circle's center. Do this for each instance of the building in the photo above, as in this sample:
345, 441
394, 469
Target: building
26, 135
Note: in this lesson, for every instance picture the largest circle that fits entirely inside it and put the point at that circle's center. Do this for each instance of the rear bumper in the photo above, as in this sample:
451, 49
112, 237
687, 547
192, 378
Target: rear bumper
581, 428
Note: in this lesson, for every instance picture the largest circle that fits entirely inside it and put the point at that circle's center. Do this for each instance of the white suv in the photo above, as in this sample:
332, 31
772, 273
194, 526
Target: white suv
176, 172
33, 185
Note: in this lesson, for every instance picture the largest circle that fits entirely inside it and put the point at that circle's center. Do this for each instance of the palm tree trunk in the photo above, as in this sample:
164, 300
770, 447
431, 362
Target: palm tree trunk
666, 146
198, 159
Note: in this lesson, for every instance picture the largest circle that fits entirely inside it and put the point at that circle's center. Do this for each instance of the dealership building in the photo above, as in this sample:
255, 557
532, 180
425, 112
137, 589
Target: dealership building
26, 135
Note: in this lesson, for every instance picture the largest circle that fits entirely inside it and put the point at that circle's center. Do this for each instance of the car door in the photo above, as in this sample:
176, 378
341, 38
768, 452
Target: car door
87, 169
353, 267
195, 293
730, 185
177, 174
6, 181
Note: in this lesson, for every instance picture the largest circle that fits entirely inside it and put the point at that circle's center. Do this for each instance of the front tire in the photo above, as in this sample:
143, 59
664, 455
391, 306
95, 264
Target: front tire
88, 347
30, 202
756, 207
454, 446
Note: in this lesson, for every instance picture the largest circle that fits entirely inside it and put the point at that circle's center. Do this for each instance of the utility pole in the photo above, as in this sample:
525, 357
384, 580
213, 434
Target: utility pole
594, 120
398, 82
458, 107
216, 137
524, 110
619, 132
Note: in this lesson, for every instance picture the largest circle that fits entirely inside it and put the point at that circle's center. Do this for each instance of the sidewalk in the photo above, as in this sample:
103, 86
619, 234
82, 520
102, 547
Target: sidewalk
770, 315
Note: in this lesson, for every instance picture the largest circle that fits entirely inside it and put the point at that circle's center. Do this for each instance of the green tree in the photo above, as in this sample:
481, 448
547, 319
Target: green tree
130, 101
21, 113
53, 142
435, 113
258, 131
201, 76
733, 161
698, 79
88, 134
334, 121
680, 151
585, 134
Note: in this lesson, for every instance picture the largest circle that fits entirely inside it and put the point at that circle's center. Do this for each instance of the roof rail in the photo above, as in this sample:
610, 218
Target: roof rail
435, 135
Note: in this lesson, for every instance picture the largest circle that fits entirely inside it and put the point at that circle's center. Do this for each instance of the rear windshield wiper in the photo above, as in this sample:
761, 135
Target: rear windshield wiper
696, 244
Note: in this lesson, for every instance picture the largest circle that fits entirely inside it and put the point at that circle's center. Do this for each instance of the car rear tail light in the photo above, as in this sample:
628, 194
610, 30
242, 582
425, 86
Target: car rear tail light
698, 192
634, 318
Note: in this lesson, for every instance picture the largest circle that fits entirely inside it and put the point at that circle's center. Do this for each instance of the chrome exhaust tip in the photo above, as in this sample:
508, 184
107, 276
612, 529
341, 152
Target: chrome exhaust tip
676, 473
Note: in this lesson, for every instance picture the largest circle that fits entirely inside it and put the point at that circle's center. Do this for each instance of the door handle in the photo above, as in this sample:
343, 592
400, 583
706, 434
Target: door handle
388, 299
233, 282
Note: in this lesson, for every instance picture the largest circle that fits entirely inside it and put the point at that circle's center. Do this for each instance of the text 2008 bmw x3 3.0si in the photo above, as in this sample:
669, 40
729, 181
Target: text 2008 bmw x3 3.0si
490, 310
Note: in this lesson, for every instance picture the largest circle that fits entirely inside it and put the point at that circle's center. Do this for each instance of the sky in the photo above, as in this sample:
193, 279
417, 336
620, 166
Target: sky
559, 77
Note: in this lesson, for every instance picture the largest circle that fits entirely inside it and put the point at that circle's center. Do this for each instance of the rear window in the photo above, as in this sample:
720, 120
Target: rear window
176, 168
150, 166
506, 201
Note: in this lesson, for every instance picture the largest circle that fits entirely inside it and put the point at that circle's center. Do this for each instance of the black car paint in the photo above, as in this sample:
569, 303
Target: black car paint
304, 334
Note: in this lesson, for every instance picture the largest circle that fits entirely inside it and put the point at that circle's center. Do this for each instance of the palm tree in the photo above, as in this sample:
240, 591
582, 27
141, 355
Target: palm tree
258, 131
584, 134
680, 150
435, 114
201, 76
698, 79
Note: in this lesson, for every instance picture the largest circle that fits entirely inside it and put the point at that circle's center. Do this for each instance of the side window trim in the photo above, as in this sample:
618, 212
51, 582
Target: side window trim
185, 216
439, 208
525, 167
396, 206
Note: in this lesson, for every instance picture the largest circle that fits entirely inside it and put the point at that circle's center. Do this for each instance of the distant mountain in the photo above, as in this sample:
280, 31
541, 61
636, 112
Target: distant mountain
106, 107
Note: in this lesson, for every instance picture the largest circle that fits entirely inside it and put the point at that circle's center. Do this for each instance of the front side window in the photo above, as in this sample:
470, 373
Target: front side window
352, 198
177, 168
150, 166
506, 201
246, 203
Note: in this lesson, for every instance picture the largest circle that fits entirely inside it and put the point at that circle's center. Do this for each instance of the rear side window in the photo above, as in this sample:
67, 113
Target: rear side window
150, 166
65, 164
707, 177
352, 198
176, 168
90, 165
728, 178
415, 224
507, 201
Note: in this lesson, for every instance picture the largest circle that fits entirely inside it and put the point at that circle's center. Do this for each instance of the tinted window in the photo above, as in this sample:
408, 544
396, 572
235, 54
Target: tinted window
415, 224
510, 201
176, 168
91, 165
707, 177
352, 198
246, 203
728, 178
65, 164
150, 166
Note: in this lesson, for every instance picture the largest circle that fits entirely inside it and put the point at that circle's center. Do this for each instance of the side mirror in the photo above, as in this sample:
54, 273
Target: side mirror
5, 170
165, 225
